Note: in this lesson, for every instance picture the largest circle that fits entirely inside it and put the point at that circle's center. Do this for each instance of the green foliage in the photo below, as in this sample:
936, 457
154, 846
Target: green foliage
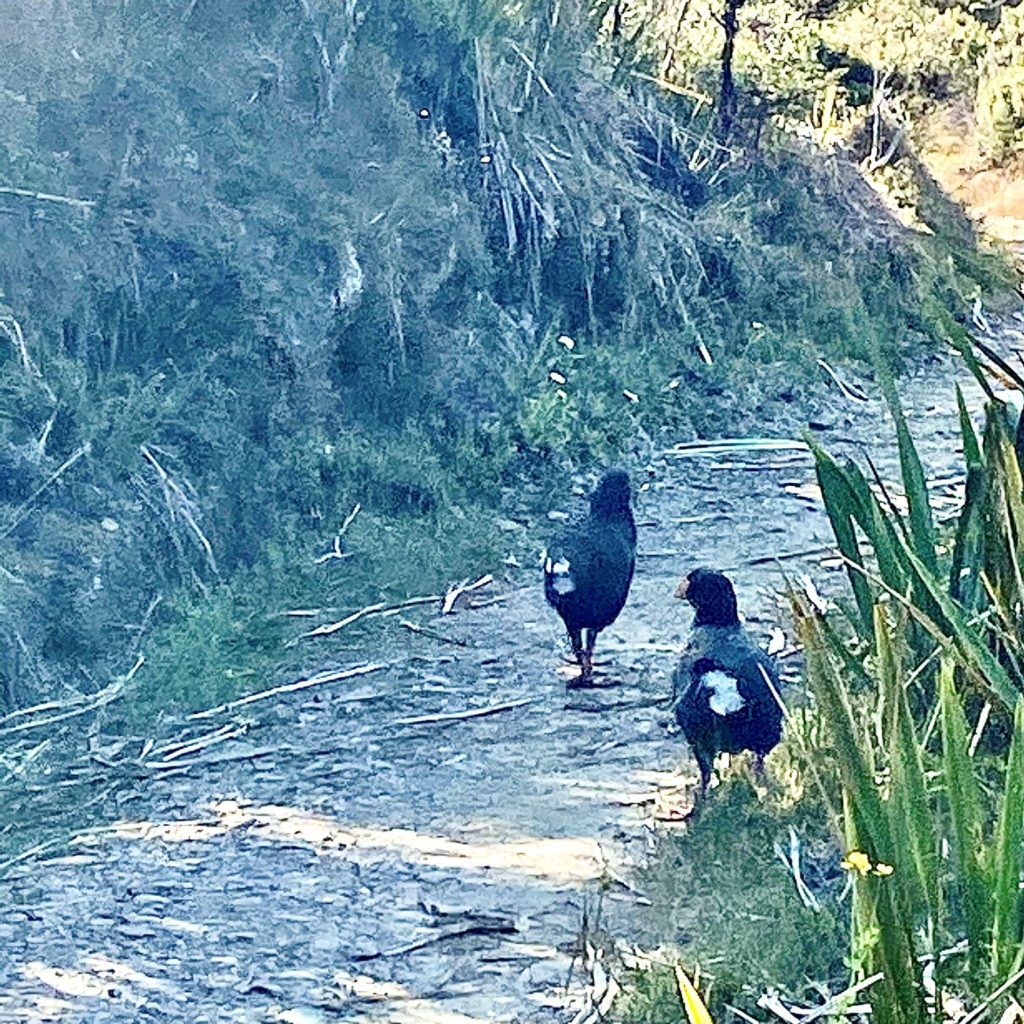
259, 289
934, 817
999, 109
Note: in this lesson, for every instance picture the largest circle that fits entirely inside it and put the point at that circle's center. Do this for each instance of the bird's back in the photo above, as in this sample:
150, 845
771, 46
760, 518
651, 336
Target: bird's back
723, 700
588, 570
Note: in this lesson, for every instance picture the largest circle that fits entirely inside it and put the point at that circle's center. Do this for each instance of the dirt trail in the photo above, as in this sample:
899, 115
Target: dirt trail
284, 884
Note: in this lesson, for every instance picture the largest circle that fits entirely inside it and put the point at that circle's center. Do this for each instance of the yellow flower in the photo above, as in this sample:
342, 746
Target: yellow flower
857, 860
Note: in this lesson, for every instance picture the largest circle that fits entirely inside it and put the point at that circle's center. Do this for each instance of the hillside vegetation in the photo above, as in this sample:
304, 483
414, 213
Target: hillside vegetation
265, 262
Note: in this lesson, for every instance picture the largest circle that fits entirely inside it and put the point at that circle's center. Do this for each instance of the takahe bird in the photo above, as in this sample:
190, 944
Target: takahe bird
722, 698
588, 569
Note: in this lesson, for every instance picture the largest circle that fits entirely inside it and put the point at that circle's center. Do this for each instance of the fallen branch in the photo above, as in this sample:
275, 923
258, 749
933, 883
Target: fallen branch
46, 197
371, 609
301, 684
440, 637
456, 590
239, 755
226, 732
488, 601
727, 445
622, 705
850, 391
498, 928
459, 716
10, 326
105, 696
179, 502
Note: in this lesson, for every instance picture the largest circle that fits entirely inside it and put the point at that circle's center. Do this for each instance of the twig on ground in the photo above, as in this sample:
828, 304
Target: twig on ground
47, 197
622, 705
791, 861
371, 609
727, 445
456, 590
850, 391
12, 328
169, 767
178, 502
771, 1002
320, 679
497, 928
459, 716
226, 732
440, 637
488, 601
840, 998
105, 696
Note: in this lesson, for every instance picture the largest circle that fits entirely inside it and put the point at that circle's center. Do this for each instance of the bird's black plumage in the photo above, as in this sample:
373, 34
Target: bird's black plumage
589, 567
723, 701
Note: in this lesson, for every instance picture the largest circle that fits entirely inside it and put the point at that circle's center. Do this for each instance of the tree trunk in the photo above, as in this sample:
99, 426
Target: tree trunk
727, 90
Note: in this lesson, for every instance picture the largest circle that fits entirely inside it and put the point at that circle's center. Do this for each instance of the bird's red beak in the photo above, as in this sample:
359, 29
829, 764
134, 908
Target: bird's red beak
684, 586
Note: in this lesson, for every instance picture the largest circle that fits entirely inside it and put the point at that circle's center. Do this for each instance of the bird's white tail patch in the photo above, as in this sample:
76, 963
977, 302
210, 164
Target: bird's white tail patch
725, 695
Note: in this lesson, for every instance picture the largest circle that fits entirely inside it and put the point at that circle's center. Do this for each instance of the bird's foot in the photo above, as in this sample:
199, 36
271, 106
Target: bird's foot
582, 681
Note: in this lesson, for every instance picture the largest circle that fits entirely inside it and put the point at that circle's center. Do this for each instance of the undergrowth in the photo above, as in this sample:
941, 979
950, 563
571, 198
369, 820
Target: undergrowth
725, 904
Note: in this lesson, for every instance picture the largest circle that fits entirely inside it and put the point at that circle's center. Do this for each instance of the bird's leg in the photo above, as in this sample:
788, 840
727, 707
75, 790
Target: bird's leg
705, 780
576, 643
589, 636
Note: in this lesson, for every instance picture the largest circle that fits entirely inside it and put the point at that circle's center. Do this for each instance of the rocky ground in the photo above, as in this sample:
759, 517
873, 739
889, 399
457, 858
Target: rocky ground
371, 849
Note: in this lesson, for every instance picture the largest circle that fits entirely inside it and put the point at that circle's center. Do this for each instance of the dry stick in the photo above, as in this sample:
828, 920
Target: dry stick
50, 705
456, 590
180, 767
46, 197
851, 391
458, 716
370, 609
300, 684
497, 599
1005, 987
106, 696
227, 732
10, 326
830, 1005
502, 928
440, 637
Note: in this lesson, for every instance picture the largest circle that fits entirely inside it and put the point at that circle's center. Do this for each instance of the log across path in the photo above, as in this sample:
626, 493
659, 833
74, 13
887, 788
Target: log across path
426, 837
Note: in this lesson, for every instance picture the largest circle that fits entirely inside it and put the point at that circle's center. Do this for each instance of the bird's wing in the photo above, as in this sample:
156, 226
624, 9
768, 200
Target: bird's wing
570, 562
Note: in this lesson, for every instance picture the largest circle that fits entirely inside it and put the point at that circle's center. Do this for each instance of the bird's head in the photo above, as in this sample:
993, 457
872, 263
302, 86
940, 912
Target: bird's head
712, 596
611, 496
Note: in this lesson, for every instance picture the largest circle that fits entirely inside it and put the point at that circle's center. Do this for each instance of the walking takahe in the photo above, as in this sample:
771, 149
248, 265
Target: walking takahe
723, 700
588, 569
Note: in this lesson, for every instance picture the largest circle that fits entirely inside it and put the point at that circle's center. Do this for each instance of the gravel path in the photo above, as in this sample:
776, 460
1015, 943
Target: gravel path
342, 863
